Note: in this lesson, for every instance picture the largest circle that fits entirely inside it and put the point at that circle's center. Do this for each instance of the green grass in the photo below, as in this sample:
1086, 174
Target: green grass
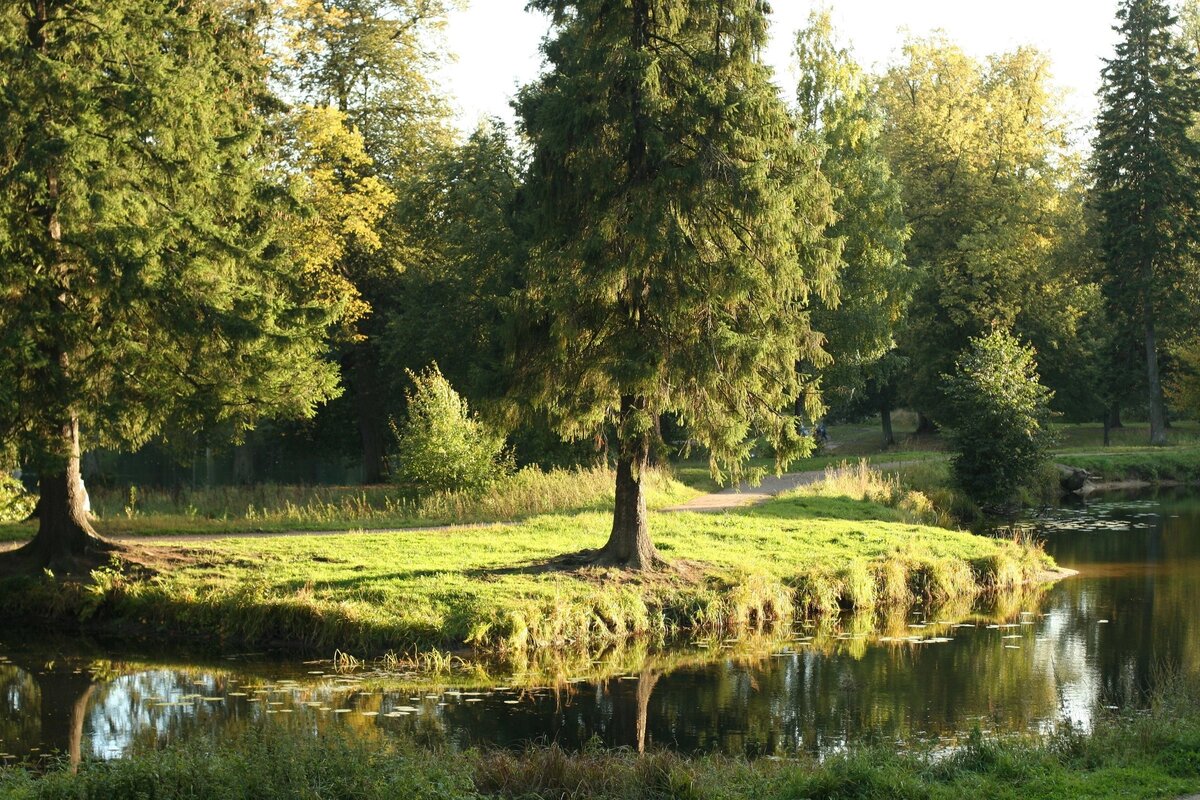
1147, 755
1176, 464
485, 586
272, 508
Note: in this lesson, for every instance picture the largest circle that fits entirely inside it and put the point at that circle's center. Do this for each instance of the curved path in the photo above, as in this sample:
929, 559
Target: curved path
772, 486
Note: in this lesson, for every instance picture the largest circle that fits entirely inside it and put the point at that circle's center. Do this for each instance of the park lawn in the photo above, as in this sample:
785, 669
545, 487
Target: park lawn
499, 588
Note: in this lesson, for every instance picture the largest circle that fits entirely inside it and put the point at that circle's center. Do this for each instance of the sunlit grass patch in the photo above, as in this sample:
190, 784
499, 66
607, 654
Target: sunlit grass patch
499, 588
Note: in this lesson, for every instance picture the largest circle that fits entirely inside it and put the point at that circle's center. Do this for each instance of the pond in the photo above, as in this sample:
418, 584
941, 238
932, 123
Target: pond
1092, 643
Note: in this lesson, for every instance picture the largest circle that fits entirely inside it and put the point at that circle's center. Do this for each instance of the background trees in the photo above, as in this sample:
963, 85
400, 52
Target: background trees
1146, 164
372, 61
835, 106
982, 153
675, 244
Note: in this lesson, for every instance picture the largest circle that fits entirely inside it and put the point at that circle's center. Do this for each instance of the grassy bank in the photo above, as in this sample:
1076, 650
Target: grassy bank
503, 588
1173, 465
1148, 755
267, 508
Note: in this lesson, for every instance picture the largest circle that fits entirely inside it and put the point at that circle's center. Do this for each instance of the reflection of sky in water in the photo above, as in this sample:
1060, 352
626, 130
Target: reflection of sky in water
1094, 641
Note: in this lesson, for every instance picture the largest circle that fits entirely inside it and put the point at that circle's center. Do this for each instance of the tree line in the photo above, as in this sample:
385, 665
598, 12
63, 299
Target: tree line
238, 220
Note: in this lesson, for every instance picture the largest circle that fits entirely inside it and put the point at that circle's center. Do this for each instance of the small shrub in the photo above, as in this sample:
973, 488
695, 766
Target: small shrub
15, 503
442, 446
998, 419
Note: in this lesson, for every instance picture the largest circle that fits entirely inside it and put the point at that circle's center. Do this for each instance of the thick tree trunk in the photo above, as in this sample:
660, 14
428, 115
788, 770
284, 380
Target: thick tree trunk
885, 415
370, 415
629, 544
1158, 430
65, 541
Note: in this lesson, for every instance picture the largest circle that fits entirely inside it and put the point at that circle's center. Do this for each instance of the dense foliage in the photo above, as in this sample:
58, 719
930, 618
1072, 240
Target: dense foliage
441, 445
998, 416
1147, 180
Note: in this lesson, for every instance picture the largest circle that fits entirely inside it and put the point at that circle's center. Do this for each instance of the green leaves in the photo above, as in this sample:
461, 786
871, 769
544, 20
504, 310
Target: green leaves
998, 416
443, 447
677, 222
140, 226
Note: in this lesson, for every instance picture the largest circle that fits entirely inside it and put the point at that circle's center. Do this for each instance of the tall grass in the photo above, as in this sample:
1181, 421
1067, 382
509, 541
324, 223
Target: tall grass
526, 493
907, 490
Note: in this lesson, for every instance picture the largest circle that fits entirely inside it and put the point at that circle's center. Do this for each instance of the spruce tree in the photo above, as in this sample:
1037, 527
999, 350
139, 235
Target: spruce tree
677, 223
1147, 182
146, 283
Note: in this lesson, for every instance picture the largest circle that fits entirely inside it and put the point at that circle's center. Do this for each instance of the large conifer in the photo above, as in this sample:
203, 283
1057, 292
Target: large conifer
677, 222
1147, 181
143, 283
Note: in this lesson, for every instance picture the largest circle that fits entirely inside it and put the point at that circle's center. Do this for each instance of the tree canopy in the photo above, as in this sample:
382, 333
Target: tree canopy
677, 220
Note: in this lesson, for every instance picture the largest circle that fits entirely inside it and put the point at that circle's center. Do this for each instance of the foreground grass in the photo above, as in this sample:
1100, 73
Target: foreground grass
500, 588
272, 508
1149, 755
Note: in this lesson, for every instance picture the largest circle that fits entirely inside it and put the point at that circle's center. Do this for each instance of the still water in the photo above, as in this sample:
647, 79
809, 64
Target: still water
1068, 653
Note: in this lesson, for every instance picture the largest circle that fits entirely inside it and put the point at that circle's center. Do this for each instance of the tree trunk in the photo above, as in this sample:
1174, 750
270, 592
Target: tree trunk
243, 464
370, 415
925, 425
885, 415
65, 541
1158, 431
1114, 416
629, 544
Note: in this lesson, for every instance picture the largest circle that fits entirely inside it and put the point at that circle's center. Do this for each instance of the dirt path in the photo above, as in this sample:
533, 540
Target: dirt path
744, 495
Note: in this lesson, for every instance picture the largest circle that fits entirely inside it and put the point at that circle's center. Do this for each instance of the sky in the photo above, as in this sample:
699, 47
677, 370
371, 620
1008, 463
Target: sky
495, 42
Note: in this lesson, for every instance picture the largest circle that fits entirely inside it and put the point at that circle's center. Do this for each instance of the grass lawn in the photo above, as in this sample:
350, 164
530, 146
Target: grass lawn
499, 587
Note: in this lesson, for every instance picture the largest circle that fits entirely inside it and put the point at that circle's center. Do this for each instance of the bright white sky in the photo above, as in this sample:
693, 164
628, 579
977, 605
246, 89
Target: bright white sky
496, 41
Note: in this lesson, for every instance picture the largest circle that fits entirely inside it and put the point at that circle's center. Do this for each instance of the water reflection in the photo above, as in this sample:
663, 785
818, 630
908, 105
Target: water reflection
1031, 661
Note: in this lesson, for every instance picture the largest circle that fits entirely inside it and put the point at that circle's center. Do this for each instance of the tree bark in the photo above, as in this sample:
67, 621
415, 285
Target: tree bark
1158, 431
65, 541
629, 545
885, 415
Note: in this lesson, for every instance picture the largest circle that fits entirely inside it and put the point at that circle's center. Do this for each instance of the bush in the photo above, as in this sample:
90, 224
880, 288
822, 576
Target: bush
442, 446
15, 503
999, 415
